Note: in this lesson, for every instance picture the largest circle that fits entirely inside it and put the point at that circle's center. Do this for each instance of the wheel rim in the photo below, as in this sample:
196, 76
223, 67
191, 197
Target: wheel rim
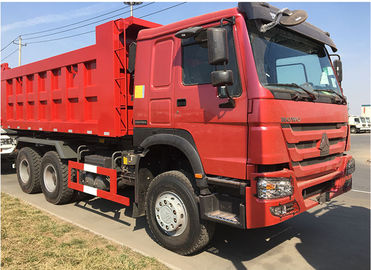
171, 213
50, 178
24, 171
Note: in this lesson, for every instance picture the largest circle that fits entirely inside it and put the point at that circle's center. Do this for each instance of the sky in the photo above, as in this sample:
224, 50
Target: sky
347, 22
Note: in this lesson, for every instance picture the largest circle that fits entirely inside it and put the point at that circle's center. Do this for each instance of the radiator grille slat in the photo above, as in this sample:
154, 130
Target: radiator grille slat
303, 143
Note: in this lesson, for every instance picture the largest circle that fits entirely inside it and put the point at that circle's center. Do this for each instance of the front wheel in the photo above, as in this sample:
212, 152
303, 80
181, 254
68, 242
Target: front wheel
173, 216
353, 130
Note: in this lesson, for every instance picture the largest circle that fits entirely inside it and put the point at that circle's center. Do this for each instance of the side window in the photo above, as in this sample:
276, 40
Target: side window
195, 66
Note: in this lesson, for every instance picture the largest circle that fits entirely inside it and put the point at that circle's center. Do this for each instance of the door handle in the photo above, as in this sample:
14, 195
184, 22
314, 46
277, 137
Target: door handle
181, 102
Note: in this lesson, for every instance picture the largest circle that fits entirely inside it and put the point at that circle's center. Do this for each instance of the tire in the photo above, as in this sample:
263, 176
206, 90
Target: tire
28, 165
188, 233
353, 130
54, 179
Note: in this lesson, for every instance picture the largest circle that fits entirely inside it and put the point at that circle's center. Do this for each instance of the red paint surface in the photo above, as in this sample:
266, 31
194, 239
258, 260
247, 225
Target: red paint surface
82, 91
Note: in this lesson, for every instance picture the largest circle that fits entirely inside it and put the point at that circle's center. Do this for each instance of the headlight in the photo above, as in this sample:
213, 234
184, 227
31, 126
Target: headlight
272, 188
351, 167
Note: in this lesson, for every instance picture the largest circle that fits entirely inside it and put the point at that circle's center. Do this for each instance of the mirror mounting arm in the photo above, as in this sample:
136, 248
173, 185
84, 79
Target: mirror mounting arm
265, 27
335, 54
231, 21
231, 103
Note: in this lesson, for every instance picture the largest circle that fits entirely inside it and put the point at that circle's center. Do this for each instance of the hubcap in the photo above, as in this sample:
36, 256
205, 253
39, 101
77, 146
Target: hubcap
171, 214
50, 178
24, 171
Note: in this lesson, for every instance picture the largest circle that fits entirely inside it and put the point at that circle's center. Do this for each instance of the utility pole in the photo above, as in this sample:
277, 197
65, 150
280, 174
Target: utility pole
19, 50
131, 4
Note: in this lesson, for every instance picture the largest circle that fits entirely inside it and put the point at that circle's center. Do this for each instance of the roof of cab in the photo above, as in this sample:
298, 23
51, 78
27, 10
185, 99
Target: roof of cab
174, 27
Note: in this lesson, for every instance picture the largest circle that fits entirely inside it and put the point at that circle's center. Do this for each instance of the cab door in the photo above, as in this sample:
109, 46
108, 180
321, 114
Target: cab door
220, 134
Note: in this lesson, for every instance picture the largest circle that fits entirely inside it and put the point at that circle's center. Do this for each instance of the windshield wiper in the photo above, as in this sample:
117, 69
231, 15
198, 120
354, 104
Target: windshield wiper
343, 99
310, 94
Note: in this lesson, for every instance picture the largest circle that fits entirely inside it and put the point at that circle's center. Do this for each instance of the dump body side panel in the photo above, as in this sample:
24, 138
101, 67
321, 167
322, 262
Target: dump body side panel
86, 91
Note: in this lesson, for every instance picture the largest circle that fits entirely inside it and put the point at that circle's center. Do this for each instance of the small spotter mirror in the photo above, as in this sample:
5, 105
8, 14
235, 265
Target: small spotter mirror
285, 17
293, 17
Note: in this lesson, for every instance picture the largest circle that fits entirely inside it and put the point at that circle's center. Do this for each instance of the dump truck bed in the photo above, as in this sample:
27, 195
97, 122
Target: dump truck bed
86, 91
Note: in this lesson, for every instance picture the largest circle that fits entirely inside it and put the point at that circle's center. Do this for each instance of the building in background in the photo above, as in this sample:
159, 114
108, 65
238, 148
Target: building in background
366, 110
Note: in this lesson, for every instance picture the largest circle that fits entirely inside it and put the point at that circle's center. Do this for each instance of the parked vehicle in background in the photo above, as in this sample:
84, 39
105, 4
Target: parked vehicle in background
7, 147
368, 122
358, 124
365, 124
233, 117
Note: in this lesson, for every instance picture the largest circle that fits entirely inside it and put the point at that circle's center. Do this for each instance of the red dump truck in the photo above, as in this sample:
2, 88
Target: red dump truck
234, 117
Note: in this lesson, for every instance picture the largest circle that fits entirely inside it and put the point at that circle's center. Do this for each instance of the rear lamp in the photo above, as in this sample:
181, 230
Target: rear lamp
273, 188
351, 166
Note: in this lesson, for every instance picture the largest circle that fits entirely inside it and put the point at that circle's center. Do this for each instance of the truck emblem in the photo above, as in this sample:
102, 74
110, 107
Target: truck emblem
324, 146
290, 119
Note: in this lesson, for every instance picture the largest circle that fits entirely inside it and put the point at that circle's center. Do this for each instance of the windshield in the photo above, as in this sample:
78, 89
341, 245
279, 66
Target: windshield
356, 120
284, 58
368, 119
363, 120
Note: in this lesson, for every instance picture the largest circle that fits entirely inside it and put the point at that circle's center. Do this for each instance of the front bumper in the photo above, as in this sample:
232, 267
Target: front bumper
306, 194
7, 150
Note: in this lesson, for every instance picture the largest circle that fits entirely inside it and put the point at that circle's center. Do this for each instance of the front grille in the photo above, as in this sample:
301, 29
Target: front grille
316, 160
6, 141
306, 144
309, 127
311, 144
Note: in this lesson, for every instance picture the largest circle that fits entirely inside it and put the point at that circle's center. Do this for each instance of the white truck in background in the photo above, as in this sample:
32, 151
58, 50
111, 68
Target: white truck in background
359, 124
7, 148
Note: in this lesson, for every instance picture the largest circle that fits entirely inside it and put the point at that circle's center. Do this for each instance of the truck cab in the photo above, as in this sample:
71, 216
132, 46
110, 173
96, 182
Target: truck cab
269, 111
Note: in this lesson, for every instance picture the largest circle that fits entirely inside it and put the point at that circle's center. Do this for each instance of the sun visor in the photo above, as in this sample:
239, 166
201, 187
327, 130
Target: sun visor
266, 12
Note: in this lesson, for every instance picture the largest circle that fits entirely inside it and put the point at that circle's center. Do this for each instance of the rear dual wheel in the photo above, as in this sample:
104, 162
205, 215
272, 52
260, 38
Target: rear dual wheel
173, 216
47, 174
28, 164
54, 179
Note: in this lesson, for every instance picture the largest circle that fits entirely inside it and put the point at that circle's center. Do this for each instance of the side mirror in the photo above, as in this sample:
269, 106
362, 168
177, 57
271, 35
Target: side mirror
222, 77
217, 46
338, 65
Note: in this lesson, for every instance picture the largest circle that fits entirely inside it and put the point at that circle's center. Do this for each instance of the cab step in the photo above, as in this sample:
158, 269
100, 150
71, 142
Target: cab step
223, 217
223, 209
